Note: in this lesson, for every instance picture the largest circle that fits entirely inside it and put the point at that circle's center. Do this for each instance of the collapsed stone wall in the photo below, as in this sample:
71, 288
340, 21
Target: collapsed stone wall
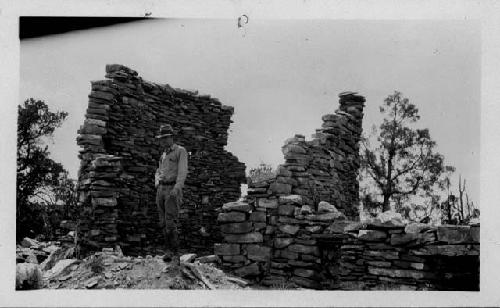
389, 256
120, 155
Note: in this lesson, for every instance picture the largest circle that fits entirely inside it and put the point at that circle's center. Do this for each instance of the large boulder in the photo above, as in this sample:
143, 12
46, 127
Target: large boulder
28, 276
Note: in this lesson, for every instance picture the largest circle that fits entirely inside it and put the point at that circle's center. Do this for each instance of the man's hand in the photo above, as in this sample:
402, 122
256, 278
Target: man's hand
175, 192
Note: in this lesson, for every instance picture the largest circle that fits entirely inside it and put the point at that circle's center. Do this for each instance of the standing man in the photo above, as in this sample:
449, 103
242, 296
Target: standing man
169, 181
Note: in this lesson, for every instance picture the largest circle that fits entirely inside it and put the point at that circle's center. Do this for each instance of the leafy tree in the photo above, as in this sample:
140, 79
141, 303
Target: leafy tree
403, 163
35, 169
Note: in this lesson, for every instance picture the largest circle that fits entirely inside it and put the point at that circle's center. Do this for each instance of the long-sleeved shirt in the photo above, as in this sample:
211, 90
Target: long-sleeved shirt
173, 166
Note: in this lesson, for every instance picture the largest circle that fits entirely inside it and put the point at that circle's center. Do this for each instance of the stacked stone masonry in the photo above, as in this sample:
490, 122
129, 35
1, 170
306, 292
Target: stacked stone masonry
275, 240
285, 217
380, 256
301, 228
284, 242
119, 157
326, 167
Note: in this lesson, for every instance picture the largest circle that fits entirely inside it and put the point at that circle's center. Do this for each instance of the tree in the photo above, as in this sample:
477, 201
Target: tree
455, 210
261, 173
35, 170
404, 162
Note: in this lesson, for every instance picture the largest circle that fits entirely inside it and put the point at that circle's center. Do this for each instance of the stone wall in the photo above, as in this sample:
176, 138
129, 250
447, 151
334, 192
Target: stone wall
275, 235
119, 157
326, 167
276, 241
379, 256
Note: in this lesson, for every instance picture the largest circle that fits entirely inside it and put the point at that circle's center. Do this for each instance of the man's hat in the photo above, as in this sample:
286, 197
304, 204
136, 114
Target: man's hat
165, 131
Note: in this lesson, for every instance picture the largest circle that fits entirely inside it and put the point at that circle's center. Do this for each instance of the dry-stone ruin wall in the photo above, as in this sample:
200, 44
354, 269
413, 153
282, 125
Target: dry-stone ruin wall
275, 235
119, 157
389, 256
287, 242
326, 167
294, 229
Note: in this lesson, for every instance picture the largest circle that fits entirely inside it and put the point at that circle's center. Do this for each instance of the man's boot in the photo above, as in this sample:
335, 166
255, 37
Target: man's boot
168, 254
174, 241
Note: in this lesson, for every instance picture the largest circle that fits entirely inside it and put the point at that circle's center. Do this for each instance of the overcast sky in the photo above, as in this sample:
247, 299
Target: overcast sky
281, 76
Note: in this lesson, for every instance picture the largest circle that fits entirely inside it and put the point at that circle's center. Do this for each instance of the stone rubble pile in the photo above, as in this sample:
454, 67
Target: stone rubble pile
123, 116
392, 255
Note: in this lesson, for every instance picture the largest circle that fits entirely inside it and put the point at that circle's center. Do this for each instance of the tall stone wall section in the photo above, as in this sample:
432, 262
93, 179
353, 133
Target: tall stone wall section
275, 235
389, 256
326, 167
119, 157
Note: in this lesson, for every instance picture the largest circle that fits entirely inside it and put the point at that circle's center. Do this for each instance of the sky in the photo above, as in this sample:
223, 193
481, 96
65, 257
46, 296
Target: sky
281, 76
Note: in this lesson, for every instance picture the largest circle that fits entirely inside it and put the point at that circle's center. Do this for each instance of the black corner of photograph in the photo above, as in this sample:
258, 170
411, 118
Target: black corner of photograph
41, 26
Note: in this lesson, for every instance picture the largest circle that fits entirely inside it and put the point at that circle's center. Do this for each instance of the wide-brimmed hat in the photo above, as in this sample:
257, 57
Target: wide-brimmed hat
165, 130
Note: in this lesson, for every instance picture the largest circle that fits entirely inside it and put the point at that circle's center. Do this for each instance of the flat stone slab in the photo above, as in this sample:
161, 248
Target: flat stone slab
258, 217
226, 249
455, 234
282, 242
188, 258
326, 217
249, 270
400, 273
286, 209
231, 217
289, 229
416, 227
372, 235
268, 203
311, 250
447, 250
258, 253
237, 227
254, 237
59, 267
280, 188
291, 199
208, 259
237, 206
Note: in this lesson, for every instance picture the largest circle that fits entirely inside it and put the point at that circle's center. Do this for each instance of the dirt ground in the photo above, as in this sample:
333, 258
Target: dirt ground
110, 271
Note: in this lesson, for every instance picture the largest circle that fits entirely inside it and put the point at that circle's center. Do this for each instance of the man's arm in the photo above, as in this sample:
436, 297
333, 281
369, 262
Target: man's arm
182, 169
157, 173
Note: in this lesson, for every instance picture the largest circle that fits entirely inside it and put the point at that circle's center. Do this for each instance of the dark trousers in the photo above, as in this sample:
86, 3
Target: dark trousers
168, 210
